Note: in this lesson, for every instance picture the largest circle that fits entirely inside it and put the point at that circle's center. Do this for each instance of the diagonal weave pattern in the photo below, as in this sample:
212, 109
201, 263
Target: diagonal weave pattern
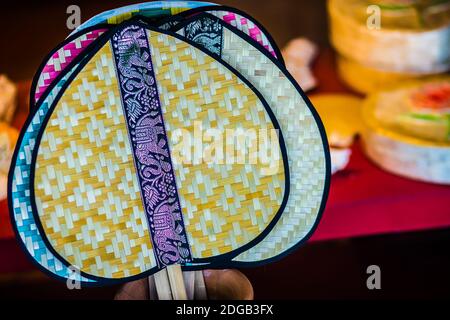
87, 194
61, 59
20, 193
303, 142
225, 205
247, 26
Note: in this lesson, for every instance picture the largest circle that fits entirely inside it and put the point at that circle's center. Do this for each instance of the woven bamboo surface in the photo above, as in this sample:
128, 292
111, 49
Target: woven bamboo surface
61, 59
247, 26
23, 215
306, 155
229, 205
86, 190
226, 205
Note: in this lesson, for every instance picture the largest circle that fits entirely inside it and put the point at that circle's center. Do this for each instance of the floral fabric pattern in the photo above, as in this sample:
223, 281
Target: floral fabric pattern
150, 145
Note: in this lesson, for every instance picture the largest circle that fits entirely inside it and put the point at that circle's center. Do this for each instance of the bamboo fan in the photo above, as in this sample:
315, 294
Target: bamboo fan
70, 50
88, 92
72, 47
168, 283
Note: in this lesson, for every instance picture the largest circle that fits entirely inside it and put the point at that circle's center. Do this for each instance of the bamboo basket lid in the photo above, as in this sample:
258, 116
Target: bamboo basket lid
365, 79
403, 42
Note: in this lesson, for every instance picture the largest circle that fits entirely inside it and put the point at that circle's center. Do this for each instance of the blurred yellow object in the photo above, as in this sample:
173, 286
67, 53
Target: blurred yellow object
8, 139
341, 115
365, 79
8, 99
404, 148
401, 14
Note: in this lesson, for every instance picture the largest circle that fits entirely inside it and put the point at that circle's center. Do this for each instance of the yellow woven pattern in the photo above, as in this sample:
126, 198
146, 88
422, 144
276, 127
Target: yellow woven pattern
116, 19
224, 205
87, 193
175, 10
304, 145
121, 17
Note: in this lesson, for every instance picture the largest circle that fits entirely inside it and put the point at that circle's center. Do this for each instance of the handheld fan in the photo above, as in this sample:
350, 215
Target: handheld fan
108, 178
105, 191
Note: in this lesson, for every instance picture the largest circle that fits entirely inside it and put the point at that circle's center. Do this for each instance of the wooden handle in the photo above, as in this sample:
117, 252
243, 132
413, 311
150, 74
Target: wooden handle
189, 282
200, 287
172, 283
162, 285
152, 293
176, 282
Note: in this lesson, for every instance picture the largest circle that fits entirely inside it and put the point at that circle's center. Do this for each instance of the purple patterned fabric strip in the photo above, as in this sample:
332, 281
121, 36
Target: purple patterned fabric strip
150, 147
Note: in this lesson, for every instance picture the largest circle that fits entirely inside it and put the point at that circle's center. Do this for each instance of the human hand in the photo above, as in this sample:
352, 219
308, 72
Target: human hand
225, 284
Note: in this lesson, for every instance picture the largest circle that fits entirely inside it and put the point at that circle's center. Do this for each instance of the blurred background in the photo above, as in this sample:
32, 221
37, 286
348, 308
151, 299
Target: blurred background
373, 217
